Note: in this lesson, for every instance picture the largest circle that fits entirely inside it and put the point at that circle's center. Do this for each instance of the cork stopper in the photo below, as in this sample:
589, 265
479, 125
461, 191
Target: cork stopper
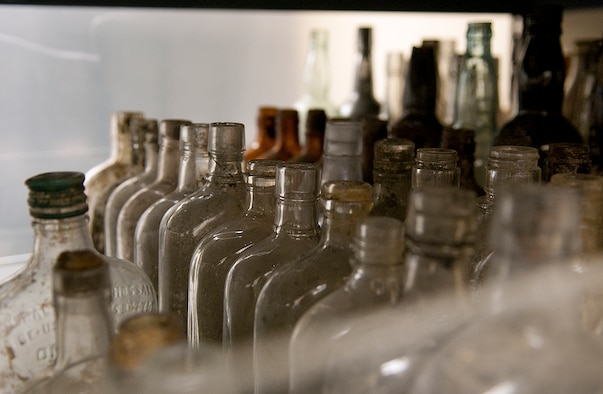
56, 195
80, 272
225, 137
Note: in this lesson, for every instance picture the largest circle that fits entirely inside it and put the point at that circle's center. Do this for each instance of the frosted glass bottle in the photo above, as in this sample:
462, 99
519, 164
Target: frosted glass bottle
342, 151
82, 297
127, 188
435, 167
104, 176
166, 181
217, 252
58, 206
392, 173
193, 153
295, 233
222, 198
376, 280
299, 283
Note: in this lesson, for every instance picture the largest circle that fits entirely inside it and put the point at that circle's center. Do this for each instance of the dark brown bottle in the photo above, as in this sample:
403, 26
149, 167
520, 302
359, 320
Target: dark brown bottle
566, 157
540, 77
286, 144
373, 130
265, 137
595, 137
311, 152
463, 142
419, 122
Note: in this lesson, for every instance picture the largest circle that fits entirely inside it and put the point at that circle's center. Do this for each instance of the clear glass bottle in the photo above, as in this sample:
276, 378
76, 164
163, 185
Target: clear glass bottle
435, 167
127, 188
317, 78
419, 122
295, 233
81, 292
566, 157
463, 142
373, 130
362, 102
58, 206
476, 104
166, 181
311, 152
375, 281
298, 284
222, 198
217, 252
394, 88
266, 133
392, 173
342, 152
193, 153
286, 144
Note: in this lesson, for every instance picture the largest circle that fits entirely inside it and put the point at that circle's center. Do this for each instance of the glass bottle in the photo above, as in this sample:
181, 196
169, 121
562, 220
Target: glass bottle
394, 88
419, 122
566, 157
311, 152
216, 253
375, 281
104, 176
595, 137
57, 203
392, 172
286, 144
476, 101
193, 144
266, 133
373, 130
317, 78
295, 233
342, 155
507, 167
130, 186
81, 292
435, 166
297, 285
363, 102
541, 77
166, 181
222, 198
463, 142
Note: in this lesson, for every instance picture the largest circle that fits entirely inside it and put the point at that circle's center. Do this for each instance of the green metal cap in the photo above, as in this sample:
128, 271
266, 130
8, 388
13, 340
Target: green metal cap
56, 195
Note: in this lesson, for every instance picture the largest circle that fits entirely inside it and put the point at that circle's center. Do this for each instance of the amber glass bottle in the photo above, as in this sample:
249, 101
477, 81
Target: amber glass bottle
266, 133
311, 152
286, 144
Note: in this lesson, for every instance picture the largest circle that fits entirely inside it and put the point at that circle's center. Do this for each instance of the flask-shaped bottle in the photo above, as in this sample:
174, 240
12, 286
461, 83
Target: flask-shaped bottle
435, 167
362, 102
57, 204
222, 198
193, 153
216, 253
311, 151
166, 181
286, 143
298, 284
102, 178
342, 155
130, 186
266, 133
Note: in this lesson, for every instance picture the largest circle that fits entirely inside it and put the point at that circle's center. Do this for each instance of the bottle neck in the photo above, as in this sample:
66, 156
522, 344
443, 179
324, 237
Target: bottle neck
387, 184
169, 161
312, 149
261, 200
187, 172
225, 168
419, 97
151, 157
478, 46
287, 137
316, 72
121, 147
363, 83
378, 283
340, 222
341, 167
296, 218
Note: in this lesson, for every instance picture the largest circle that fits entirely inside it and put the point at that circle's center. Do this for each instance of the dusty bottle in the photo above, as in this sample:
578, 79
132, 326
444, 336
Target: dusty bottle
295, 233
311, 152
193, 153
286, 143
435, 167
103, 177
566, 157
57, 203
222, 198
392, 173
218, 250
299, 283
127, 188
266, 133
342, 155
463, 142
82, 298
419, 122
166, 181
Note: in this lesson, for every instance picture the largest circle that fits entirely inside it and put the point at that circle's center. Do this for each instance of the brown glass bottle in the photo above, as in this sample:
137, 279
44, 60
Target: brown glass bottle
566, 157
419, 122
286, 144
311, 152
266, 133
463, 142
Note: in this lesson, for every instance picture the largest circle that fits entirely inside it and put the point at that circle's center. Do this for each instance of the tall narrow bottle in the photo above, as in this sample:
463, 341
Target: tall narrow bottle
266, 133
373, 130
127, 188
286, 144
342, 155
218, 251
57, 203
311, 152
193, 153
101, 178
394, 88
298, 284
363, 102
166, 181
435, 167
183, 226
